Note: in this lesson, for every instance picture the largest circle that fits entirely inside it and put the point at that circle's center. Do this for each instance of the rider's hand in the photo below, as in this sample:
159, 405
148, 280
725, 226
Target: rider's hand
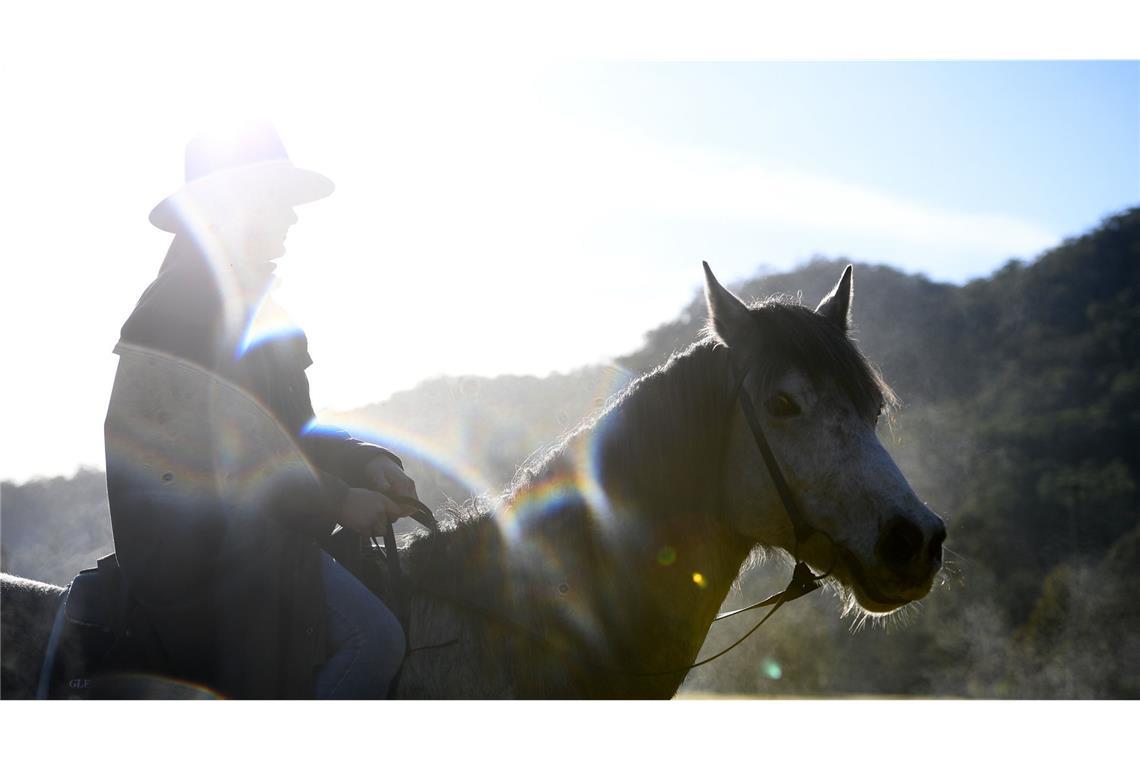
386, 476
369, 512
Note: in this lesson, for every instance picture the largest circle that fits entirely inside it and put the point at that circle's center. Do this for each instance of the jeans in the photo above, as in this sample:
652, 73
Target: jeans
366, 636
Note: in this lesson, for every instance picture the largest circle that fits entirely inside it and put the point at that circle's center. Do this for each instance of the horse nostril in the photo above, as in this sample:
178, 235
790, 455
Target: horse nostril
934, 550
901, 542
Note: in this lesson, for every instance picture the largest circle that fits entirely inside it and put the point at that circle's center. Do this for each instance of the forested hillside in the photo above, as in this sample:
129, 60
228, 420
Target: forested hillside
1019, 424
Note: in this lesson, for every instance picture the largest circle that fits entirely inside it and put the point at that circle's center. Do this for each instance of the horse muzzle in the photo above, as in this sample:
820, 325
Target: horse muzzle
911, 555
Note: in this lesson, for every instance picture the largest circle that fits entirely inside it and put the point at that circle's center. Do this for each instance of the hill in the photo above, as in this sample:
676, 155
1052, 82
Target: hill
1019, 424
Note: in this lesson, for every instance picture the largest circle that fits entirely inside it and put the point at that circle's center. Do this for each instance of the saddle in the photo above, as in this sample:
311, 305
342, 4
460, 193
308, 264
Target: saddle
102, 645
100, 634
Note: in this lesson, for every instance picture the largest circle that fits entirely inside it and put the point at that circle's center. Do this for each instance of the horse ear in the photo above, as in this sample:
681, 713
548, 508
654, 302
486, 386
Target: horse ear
729, 318
836, 305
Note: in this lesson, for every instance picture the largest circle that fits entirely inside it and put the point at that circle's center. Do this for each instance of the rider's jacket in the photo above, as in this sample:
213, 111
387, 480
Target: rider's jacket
218, 486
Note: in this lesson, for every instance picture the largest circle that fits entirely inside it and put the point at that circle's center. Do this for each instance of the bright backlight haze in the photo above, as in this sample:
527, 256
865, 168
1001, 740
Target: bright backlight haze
495, 218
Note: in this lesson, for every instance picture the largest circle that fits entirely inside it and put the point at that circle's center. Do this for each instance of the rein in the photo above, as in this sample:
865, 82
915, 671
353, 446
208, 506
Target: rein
424, 516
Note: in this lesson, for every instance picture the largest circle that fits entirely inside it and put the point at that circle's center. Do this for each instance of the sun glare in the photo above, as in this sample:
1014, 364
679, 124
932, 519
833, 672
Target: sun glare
488, 218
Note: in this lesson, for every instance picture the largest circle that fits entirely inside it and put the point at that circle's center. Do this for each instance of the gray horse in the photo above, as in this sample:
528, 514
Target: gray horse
602, 570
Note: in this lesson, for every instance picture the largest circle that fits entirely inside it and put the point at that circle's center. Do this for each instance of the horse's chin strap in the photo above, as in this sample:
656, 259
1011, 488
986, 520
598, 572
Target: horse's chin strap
801, 583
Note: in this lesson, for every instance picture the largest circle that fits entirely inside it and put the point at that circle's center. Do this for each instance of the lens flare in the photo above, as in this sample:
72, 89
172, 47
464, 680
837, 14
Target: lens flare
568, 479
180, 429
521, 526
588, 449
266, 322
535, 502
408, 444
197, 211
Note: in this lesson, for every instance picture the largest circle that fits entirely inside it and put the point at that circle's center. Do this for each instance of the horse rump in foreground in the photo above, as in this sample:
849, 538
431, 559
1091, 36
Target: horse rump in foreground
604, 567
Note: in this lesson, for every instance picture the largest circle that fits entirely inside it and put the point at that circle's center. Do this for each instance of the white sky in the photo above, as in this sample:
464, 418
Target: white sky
484, 221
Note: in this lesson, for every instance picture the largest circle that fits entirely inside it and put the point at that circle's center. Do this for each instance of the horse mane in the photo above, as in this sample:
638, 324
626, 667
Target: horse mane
627, 448
674, 413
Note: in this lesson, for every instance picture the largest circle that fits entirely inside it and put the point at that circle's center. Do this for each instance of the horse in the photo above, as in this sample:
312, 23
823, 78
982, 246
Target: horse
600, 570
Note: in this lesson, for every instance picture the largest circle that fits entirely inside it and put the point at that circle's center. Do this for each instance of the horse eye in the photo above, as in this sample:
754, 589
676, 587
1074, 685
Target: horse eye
781, 405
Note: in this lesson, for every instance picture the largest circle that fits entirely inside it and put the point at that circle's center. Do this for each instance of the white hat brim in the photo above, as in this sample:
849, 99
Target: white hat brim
279, 180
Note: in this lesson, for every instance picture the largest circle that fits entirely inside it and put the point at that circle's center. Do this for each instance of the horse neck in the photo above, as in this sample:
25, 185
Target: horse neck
638, 543
612, 551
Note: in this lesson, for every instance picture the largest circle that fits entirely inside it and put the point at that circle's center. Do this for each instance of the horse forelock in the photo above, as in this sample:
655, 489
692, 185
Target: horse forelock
791, 335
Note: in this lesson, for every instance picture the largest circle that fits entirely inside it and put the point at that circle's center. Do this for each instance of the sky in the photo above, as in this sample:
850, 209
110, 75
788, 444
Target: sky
508, 216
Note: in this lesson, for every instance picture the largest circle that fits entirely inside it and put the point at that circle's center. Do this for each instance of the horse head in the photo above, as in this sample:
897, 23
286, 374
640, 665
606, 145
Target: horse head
818, 402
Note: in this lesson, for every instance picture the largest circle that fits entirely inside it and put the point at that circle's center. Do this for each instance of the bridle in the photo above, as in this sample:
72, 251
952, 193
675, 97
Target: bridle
802, 582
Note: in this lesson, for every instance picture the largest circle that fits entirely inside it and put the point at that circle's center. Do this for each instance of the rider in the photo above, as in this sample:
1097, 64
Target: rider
219, 489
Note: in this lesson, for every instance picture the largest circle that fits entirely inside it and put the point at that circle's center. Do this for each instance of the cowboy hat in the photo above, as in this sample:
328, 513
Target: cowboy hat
241, 166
